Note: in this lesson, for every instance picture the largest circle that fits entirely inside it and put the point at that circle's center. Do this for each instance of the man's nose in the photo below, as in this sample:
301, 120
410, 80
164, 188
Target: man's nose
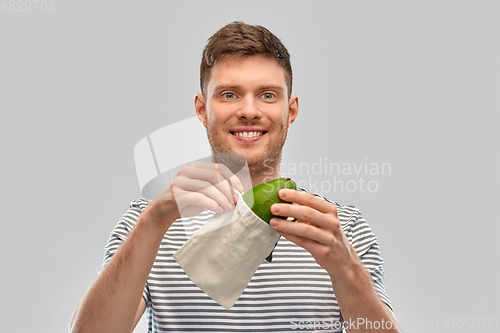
249, 109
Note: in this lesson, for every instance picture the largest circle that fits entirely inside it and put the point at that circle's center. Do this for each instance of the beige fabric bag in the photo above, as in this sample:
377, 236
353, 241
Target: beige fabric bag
223, 255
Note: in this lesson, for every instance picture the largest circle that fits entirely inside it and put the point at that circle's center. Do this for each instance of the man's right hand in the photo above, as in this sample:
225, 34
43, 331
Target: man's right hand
195, 188
105, 307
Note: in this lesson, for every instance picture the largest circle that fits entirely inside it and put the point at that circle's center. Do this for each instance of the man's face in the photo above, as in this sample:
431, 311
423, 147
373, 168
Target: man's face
246, 109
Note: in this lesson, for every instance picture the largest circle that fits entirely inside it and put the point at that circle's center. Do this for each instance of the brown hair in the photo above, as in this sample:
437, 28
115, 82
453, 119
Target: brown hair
238, 39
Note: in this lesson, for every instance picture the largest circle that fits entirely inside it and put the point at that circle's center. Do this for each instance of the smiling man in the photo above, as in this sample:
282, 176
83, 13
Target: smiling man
327, 272
247, 110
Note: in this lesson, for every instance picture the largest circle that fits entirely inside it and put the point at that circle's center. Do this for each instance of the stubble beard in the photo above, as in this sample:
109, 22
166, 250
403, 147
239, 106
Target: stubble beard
264, 165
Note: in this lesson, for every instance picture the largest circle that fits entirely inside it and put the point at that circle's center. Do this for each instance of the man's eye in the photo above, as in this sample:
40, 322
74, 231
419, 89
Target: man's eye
229, 95
268, 96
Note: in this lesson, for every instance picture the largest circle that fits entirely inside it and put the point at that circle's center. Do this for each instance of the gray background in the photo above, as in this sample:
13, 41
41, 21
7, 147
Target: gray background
411, 83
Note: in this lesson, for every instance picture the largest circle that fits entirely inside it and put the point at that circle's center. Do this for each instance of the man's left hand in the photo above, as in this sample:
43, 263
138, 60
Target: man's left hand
317, 229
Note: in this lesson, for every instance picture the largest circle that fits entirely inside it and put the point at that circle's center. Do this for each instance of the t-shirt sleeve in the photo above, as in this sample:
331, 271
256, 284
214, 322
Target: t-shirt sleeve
122, 230
365, 243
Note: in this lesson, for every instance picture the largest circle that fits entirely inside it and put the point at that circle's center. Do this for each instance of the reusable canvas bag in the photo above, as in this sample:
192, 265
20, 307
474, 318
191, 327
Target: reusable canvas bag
223, 255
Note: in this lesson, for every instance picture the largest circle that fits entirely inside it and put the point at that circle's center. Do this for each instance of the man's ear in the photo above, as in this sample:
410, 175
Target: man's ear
201, 109
293, 109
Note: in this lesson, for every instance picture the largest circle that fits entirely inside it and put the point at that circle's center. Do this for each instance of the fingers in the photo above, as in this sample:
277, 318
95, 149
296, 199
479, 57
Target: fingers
220, 195
202, 200
316, 219
306, 199
205, 186
205, 181
227, 179
304, 232
221, 170
309, 215
215, 174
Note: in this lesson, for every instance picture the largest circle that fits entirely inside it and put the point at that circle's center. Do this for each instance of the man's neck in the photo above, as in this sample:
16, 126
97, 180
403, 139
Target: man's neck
265, 172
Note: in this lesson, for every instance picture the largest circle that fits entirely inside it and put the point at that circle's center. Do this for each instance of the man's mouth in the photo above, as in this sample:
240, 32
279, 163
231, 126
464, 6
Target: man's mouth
254, 134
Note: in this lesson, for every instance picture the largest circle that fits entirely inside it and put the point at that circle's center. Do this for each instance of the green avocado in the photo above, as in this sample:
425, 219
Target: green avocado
261, 197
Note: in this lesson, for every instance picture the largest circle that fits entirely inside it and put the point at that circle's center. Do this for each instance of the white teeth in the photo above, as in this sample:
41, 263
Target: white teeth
248, 134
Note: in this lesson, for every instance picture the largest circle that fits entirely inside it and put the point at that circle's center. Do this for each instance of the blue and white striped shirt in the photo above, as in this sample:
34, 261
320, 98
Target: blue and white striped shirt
288, 294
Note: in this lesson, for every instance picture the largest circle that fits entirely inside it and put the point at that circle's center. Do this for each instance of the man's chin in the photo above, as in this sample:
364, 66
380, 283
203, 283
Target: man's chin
258, 159
267, 163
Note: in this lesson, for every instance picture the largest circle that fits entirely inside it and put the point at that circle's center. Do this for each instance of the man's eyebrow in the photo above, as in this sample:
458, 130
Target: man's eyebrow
277, 87
272, 87
226, 86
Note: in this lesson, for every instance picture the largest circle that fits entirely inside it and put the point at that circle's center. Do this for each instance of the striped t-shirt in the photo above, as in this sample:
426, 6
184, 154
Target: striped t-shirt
290, 293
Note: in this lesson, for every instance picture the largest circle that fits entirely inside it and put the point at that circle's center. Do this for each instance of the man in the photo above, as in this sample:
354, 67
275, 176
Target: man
327, 268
